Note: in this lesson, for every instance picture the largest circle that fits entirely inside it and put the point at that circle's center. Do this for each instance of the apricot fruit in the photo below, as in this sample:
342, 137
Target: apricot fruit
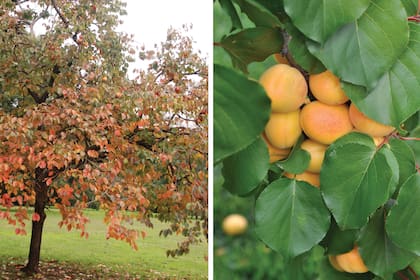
326, 88
311, 178
367, 125
283, 129
285, 86
275, 154
234, 224
325, 123
333, 262
317, 152
351, 262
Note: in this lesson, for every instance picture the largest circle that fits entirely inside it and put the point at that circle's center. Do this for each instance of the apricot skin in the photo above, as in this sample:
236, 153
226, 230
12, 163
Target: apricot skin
234, 224
326, 88
275, 154
311, 178
325, 123
351, 262
317, 152
285, 86
367, 125
283, 129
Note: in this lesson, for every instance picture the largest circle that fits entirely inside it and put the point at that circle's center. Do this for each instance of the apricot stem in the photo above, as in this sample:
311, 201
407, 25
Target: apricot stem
402, 276
410, 268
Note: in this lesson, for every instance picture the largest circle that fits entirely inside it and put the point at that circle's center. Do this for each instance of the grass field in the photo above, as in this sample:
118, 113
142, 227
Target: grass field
149, 262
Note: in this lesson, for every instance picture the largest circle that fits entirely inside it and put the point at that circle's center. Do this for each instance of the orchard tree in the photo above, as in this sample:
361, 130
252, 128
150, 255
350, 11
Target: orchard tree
77, 129
316, 107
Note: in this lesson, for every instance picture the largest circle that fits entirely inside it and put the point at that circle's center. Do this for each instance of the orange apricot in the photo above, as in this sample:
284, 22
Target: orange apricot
326, 88
367, 125
285, 86
325, 123
275, 154
351, 262
317, 152
283, 129
311, 178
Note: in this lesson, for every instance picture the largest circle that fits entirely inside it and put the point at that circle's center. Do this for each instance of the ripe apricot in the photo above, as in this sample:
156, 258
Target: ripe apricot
333, 262
317, 152
351, 262
275, 154
234, 224
311, 178
326, 88
285, 86
325, 123
367, 125
283, 129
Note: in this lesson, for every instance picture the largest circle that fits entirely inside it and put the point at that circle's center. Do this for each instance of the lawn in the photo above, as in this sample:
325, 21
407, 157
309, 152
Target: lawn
104, 256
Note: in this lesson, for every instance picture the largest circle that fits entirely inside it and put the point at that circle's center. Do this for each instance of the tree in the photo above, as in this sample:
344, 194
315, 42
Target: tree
77, 129
366, 203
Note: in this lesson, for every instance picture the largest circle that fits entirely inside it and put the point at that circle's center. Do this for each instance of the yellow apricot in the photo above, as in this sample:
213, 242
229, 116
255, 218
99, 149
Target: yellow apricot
275, 154
367, 125
234, 224
317, 152
325, 123
333, 262
283, 129
326, 88
351, 262
311, 178
285, 86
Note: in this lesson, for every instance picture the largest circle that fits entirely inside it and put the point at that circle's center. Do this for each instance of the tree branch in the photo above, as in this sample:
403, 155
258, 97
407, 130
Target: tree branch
60, 14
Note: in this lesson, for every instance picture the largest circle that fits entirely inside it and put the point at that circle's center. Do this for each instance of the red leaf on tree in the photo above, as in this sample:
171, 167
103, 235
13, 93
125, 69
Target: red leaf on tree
36, 217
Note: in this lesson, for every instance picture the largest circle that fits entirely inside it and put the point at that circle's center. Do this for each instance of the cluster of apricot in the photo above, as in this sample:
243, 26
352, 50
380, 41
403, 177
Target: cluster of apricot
322, 116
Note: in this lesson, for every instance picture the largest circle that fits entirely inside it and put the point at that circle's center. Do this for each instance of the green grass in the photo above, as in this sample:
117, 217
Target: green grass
63, 246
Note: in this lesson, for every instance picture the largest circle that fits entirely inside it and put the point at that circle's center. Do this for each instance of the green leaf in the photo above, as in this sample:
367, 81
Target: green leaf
327, 272
258, 13
252, 44
229, 8
298, 160
300, 53
244, 171
290, 217
241, 110
402, 224
320, 18
339, 241
405, 157
222, 23
395, 98
362, 51
410, 6
378, 252
356, 179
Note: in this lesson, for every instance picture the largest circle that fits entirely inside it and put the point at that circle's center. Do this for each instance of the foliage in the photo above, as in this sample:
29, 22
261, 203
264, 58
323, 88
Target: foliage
77, 129
368, 194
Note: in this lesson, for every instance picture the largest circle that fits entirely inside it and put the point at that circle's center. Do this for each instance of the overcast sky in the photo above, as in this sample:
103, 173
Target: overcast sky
149, 21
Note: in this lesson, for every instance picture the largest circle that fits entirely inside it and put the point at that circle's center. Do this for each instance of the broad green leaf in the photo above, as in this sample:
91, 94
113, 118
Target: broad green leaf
252, 44
339, 241
362, 51
356, 179
300, 53
222, 24
256, 69
327, 272
395, 98
415, 144
410, 6
402, 224
298, 160
378, 252
244, 171
218, 179
405, 157
290, 217
258, 13
320, 18
230, 10
241, 110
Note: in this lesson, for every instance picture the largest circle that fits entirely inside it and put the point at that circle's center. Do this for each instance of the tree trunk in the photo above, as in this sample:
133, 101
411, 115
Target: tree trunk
37, 226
